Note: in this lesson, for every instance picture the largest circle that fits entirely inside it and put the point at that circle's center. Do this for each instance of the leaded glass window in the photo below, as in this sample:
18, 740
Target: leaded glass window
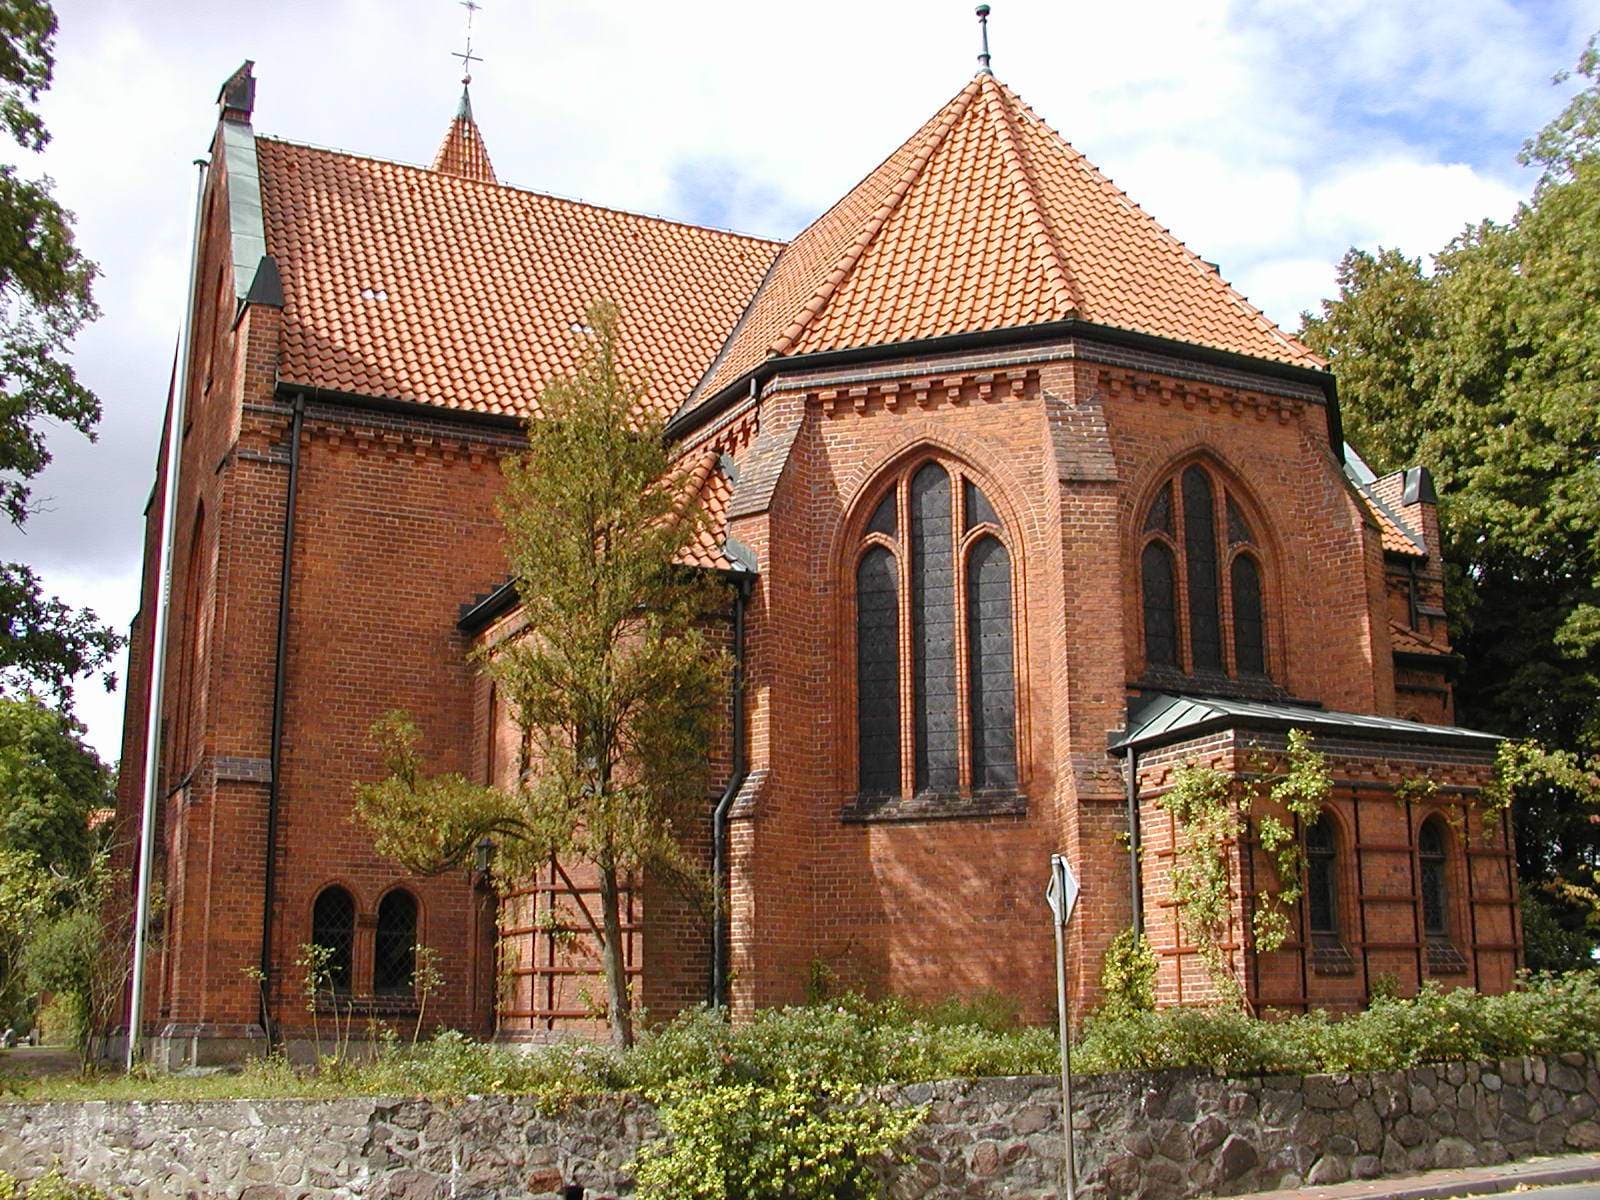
934, 631
878, 672
993, 702
1160, 605
333, 930
1249, 641
1431, 857
1322, 896
1200, 571
394, 953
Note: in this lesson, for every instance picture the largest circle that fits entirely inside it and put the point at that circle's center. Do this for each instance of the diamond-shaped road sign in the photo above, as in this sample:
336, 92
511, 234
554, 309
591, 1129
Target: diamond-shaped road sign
1062, 891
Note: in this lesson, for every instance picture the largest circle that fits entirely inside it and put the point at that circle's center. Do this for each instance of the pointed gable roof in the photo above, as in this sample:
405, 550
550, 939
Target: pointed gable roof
462, 152
413, 284
987, 219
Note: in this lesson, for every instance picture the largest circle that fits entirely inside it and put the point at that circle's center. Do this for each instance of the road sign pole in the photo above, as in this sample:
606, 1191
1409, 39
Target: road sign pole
1066, 1056
1062, 894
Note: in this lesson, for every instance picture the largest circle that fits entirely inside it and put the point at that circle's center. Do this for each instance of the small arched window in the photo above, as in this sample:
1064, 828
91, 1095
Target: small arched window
333, 931
1198, 557
394, 952
1431, 858
1322, 886
934, 563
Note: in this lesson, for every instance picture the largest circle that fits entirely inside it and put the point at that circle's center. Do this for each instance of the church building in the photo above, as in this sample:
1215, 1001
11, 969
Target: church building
1019, 505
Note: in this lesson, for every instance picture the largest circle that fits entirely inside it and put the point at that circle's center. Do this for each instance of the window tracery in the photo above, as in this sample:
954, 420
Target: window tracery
1200, 574
935, 654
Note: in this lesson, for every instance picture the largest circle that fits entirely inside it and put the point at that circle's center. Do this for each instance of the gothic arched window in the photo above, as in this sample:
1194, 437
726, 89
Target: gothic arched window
333, 931
1199, 570
394, 950
1322, 886
949, 625
1431, 856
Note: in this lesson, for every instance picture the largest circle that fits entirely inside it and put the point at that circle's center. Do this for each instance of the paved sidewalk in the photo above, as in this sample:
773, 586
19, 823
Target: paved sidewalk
1467, 1181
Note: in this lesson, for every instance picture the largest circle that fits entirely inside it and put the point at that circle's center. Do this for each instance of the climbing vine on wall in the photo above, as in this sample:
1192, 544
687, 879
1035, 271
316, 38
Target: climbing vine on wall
1212, 809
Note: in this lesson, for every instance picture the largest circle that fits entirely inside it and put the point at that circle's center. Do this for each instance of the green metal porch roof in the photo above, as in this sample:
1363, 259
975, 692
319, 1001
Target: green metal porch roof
1163, 719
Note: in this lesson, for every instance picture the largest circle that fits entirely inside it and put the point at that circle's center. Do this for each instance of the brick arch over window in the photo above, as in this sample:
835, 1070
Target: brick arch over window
935, 629
1202, 578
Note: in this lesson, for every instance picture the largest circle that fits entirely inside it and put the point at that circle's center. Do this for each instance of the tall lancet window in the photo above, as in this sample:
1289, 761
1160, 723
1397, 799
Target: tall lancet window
1201, 581
936, 704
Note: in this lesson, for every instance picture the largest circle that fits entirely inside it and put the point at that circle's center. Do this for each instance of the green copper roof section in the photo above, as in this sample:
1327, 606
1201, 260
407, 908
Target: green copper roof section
244, 204
1164, 719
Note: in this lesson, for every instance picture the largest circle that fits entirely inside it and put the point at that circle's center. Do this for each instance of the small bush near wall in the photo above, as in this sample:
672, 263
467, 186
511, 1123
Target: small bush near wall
860, 1043
51, 1186
803, 1103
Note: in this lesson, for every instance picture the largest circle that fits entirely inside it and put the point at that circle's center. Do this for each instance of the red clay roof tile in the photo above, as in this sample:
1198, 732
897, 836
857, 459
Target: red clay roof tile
986, 218
413, 284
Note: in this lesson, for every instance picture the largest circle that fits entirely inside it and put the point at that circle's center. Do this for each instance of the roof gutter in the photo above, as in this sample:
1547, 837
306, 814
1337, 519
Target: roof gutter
419, 409
990, 339
280, 670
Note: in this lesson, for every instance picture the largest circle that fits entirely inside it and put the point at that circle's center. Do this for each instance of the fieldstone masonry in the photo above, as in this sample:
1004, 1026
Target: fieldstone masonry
1152, 1137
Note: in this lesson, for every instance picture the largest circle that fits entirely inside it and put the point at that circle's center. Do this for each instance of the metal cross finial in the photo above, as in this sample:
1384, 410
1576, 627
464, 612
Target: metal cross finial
466, 56
983, 33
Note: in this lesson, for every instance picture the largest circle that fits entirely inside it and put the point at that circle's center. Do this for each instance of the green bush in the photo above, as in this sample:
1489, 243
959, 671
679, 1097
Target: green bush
64, 1020
852, 1042
1549, 1014
796, 1140
51, 1186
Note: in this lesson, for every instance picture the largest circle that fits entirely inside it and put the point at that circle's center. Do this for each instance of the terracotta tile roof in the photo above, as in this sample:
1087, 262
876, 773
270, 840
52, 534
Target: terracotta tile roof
462, 152
985, 219
708, 483
414, 284
1408, 641
1397, 539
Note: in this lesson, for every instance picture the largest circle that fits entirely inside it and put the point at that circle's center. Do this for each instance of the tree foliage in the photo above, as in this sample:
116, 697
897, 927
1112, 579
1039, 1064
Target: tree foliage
1483, 368
52, 783
46, 297
612, 676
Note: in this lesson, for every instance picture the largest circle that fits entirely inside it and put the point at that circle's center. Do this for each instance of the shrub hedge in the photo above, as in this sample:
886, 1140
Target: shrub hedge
861, 1043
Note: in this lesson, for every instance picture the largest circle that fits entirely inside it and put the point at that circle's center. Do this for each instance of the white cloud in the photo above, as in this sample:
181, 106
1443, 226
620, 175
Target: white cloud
1413, 206
1269, 135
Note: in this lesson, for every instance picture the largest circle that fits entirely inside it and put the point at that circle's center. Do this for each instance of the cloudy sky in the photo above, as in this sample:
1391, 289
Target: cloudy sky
1269, 135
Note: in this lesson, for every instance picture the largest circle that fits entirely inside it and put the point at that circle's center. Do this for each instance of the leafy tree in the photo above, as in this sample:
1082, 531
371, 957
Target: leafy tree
71, 956
46, 296
28, 896
612, 676
51, 783
1483, 368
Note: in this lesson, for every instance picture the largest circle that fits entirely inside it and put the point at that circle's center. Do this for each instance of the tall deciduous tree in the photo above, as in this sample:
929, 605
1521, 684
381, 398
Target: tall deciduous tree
51, 785
46, 296
613, 677
1484, 368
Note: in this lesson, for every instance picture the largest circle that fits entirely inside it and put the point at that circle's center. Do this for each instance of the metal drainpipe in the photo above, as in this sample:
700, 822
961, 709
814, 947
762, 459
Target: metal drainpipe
1131, 767
279, 673
719, 817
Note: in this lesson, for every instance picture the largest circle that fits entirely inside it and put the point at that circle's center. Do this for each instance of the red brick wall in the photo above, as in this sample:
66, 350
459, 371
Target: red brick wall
1382, 794
396, 528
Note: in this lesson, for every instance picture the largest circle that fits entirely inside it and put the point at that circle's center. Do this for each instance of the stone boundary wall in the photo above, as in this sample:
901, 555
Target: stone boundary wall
1158, 1137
